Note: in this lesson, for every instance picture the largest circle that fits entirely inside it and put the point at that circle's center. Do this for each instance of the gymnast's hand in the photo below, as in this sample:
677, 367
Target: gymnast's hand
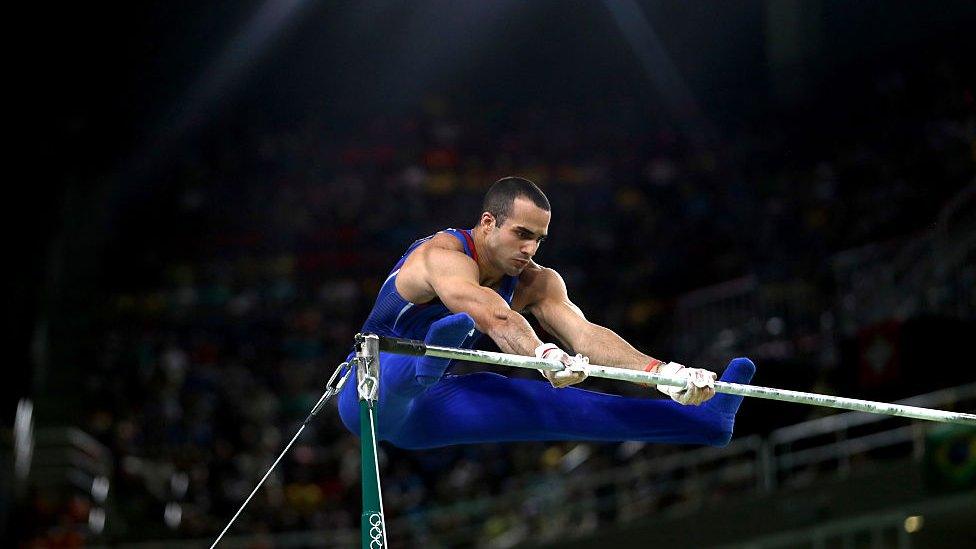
574, 372
701, 383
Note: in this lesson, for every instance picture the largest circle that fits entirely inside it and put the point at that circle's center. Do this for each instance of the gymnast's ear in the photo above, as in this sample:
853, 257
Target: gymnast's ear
487, 221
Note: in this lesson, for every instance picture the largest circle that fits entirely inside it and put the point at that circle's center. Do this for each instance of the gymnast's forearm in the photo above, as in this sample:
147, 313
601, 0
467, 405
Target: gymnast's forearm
512, 333
603, 346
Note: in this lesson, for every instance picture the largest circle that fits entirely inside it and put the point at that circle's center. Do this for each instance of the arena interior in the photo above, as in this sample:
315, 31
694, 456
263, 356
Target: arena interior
222, 188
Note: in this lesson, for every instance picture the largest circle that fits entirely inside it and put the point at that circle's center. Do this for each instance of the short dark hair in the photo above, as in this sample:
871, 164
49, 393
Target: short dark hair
502, 194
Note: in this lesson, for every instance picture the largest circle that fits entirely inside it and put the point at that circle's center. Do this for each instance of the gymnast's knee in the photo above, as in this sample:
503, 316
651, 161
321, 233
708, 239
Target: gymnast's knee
427, 381
449, 331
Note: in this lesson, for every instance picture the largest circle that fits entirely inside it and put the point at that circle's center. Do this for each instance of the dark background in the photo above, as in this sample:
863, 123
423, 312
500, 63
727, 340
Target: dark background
186, 145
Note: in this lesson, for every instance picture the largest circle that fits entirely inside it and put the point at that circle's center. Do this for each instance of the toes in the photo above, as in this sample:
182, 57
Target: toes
740, 370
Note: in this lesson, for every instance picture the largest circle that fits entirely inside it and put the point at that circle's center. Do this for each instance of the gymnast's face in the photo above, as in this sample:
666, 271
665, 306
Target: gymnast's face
513, 243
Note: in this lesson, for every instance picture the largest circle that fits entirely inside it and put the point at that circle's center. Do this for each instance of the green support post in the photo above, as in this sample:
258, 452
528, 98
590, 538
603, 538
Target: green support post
373, 524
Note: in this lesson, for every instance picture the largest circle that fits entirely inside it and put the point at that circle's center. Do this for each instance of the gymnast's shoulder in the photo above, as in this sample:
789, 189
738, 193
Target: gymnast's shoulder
537, 281
437, 243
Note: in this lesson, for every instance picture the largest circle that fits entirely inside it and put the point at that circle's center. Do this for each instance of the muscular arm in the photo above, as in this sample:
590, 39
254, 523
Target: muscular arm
453, 277
560, 317
550, 303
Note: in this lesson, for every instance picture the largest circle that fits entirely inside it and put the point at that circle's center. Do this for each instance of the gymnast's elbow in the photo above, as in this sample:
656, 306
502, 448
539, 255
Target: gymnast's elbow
502, 322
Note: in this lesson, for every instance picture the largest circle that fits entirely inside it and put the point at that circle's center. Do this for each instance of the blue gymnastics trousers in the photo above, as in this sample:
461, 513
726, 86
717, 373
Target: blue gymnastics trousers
421, 407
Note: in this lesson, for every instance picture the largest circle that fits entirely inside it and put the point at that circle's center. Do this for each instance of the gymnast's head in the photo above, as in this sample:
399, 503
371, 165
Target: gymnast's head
514, 221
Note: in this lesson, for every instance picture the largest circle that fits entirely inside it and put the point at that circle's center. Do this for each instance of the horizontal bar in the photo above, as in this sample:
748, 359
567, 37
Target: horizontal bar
418, 348
836, 422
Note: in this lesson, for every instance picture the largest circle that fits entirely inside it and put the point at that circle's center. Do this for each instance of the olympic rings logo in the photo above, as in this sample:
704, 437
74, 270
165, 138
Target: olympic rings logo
376, 531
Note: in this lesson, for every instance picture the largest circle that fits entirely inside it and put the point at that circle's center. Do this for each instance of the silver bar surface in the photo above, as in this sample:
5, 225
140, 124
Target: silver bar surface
636, 376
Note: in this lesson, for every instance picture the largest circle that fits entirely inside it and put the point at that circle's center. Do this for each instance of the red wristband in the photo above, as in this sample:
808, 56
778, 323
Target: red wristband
654, 363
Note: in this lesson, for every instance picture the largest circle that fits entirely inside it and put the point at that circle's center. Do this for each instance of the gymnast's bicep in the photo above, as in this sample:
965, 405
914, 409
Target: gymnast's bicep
454, 278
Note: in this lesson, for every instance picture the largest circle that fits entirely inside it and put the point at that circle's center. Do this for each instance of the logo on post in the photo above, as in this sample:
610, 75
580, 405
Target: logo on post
376, 531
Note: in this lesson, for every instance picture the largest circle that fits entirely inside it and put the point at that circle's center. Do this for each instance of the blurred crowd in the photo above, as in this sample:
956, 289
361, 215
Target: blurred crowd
279, 235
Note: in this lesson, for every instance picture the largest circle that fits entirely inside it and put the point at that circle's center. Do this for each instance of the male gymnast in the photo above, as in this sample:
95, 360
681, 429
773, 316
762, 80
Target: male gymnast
452, 287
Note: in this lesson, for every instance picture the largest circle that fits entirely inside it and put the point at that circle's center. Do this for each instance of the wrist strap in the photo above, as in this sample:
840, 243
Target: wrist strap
542, 350
654, 363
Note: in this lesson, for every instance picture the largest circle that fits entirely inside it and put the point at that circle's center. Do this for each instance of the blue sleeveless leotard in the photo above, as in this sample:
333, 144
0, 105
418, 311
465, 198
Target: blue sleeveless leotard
420, 406
394, 316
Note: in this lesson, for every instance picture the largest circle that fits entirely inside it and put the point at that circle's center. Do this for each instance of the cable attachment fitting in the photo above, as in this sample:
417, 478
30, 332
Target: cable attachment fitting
368, 386
334, 386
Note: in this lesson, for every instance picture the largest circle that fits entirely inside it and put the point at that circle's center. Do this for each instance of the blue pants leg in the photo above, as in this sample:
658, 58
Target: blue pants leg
487, 407
404, 378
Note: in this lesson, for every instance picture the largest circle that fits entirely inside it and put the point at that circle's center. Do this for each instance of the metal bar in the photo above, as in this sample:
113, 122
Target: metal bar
373, 523
418, 348
829, 424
